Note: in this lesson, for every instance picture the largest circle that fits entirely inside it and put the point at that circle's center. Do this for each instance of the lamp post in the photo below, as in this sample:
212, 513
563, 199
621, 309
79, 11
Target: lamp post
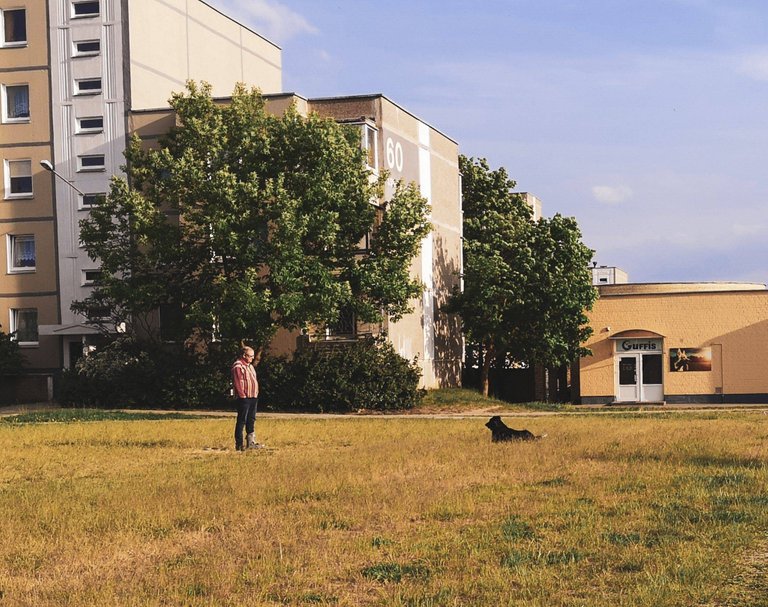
46, 164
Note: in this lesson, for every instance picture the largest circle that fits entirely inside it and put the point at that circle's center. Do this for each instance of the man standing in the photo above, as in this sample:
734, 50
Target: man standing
247, 392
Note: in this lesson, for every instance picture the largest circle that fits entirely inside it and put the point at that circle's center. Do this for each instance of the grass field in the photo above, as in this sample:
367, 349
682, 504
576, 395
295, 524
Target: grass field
609, 510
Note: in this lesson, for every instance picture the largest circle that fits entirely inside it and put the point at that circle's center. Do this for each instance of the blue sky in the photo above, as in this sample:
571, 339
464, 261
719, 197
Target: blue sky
644, 119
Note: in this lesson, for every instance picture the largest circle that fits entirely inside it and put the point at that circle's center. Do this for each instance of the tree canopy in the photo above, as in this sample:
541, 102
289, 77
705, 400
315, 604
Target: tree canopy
527, 283
247, 221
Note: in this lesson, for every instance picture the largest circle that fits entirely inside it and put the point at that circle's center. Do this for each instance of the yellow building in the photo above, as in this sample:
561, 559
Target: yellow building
677, 343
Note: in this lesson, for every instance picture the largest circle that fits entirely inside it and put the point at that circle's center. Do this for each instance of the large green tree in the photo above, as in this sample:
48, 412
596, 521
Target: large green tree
247, 221
527, 283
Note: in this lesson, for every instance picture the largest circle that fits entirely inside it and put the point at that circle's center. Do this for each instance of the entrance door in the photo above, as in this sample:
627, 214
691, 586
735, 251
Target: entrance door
629, 386
640, 378
651, 387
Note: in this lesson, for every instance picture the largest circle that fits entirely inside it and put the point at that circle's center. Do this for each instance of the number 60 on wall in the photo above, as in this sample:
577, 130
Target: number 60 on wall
394, 155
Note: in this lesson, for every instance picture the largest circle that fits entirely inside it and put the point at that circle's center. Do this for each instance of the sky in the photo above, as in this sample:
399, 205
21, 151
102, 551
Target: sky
646, 120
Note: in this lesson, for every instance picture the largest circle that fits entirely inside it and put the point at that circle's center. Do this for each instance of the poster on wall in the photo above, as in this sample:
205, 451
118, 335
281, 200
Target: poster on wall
690, 359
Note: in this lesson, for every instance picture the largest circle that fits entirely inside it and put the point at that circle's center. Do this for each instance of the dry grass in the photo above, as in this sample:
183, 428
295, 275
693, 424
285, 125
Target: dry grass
653, 510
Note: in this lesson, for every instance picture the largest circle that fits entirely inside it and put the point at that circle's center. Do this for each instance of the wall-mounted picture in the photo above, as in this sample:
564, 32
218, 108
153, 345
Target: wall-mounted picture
690, 359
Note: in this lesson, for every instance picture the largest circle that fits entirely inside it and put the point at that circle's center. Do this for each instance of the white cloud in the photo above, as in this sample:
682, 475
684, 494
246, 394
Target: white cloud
754, 65
608, 194
267, 17
741, 229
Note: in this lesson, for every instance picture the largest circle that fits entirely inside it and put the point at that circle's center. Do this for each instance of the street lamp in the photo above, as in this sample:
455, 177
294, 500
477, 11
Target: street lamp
46, 164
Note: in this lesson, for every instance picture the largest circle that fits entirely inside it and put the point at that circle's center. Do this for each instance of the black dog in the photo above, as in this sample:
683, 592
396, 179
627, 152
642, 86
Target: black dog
501, 432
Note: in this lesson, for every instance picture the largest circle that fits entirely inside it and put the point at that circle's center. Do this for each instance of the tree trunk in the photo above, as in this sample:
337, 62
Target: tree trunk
488, 356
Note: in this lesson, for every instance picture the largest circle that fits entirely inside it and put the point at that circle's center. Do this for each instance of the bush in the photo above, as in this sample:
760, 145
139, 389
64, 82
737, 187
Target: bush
130, 373
11, 361
365, 375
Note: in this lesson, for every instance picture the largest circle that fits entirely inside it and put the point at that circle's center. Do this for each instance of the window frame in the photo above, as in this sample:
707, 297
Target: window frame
76, 3
76, 52
7, 118
79, 92
9, 195
12, 240
14, 323
81, 130
82, 168
83, 206
16, 43
85, 281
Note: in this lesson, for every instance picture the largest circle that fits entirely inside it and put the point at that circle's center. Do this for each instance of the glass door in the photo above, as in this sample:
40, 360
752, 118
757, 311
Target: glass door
651, 388
628, 385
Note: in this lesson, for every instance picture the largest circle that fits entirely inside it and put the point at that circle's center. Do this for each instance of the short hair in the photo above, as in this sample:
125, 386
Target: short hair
245, 349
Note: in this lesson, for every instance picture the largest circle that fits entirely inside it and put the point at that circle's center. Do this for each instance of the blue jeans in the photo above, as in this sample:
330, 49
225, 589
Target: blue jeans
246, 419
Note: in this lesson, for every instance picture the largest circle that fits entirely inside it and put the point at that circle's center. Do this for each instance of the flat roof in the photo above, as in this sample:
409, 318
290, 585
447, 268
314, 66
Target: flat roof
659, 288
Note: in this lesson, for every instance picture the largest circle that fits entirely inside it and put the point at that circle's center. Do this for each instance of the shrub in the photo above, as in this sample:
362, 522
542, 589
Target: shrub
131, 373
365, 375
11, 361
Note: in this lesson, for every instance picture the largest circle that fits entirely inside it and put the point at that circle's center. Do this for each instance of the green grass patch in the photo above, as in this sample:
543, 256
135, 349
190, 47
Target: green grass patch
72, 416
395, 572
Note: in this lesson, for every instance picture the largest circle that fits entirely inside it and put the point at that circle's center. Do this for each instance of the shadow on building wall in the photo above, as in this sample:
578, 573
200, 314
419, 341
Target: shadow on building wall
448, 338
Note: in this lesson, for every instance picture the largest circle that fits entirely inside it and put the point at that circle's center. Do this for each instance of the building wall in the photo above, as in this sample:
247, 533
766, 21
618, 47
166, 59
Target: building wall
734, 324
172, 41
34, 215
68, 106
412, 151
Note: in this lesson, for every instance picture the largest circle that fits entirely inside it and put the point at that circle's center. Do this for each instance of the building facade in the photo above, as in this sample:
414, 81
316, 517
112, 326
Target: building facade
677, 343
411, 150
109, 58
29, 287
79, 77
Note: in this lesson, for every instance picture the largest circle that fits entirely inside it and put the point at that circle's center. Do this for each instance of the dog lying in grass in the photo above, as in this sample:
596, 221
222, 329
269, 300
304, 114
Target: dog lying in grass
501, 432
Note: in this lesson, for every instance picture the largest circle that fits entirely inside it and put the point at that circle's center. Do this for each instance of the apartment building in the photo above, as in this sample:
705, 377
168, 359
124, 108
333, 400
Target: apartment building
78, 77
28, 270
71, 71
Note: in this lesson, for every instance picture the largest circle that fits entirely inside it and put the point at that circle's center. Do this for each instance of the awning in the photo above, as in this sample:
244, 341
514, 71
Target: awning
636, 334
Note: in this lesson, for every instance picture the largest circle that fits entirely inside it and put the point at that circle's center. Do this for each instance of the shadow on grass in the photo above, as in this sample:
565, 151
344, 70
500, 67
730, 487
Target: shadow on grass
88, 415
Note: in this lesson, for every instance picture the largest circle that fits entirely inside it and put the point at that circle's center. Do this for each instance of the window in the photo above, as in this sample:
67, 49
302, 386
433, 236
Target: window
88, 86
90, 277
346, 323
24, 326
21, 253
93, 124
16, 103
89, 8
171, 322
14, 25
91, 162
86, 48
368, 141
18, 179
88, 201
